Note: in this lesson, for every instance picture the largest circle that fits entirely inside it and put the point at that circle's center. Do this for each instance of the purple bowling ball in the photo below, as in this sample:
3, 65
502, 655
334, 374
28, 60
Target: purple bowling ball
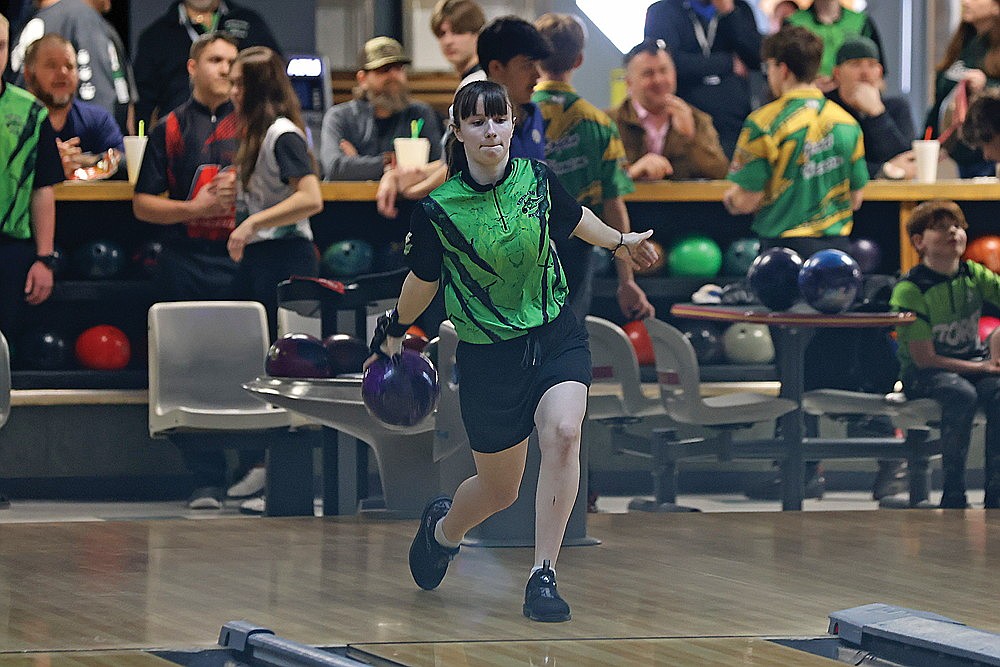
346, 353
867, 254
773, 277
298, 355
830, 280
402, 391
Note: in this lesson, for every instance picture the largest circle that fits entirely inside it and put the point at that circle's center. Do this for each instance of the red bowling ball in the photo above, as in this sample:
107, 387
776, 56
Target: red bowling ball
298, 355
641, 342
103, 348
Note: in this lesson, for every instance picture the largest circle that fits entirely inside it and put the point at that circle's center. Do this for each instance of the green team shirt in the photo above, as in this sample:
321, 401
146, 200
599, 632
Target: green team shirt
22, 116
806, 154
833, 34
947, 309
491, 248
582, 145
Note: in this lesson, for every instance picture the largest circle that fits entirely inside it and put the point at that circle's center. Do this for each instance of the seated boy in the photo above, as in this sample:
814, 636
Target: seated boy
940, 354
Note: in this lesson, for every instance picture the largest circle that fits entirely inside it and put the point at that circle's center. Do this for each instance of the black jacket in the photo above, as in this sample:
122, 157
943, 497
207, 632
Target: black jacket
886, 135
160, 64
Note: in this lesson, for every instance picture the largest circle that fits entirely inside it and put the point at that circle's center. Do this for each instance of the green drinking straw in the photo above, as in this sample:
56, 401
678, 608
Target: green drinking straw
142, 128
415, 127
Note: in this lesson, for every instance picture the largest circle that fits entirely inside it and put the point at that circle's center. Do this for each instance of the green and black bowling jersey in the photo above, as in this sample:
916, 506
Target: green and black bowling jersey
29, 155
490, 246
947, 309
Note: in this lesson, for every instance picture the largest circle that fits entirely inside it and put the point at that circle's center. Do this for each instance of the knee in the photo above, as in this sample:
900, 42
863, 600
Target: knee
503, 496
562, 441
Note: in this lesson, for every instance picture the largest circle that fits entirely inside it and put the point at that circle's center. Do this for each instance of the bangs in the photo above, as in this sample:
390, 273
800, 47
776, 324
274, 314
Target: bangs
494, 96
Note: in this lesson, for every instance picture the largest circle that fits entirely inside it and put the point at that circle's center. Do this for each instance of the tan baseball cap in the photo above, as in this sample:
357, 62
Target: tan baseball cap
382, 51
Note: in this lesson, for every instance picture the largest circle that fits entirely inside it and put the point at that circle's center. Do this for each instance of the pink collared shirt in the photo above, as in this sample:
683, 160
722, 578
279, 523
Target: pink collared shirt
655, 134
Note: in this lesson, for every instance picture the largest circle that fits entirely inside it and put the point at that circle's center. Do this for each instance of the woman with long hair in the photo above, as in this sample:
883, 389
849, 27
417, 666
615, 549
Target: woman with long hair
486, 235
277, 183
972, 57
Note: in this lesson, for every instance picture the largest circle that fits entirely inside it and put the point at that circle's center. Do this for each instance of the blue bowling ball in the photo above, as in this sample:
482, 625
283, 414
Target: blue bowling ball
830, 280
99, 260
773, 277
348, 258
401, 391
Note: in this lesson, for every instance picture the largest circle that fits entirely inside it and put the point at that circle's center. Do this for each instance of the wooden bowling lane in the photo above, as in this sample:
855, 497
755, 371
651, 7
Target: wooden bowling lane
84, 659
705, 652
172, 584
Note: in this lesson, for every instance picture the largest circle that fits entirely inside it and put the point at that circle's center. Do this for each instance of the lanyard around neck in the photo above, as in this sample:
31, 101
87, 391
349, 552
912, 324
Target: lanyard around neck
705, 40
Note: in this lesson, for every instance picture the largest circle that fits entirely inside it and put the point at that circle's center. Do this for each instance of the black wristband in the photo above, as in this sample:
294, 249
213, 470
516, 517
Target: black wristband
396, 329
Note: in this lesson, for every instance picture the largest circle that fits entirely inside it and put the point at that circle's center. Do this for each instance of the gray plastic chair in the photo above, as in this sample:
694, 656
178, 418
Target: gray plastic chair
4, 381
616, 394
719, 417
200, 354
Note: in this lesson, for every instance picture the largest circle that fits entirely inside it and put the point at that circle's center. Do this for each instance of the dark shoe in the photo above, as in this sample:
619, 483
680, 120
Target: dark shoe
992, 501
206, 498
4, 502
428, 559
955, 501
541, 599
592, 502
891, 480
815, 487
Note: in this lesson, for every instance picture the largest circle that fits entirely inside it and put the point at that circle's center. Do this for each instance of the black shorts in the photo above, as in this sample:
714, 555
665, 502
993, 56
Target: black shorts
502, 383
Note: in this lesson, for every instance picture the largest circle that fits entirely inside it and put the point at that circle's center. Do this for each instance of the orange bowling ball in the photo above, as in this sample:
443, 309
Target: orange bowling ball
641, 342
986, 251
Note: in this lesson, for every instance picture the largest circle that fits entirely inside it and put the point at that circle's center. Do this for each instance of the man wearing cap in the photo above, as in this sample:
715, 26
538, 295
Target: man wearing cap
358, 135
885, 121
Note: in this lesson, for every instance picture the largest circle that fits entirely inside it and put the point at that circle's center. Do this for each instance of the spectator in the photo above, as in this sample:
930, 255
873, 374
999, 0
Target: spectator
358, 135
981, 128
834, 24
583, 148
885, 121
715, 45
162, 52
456, 25
799, 168
28, 220
103, 66
940, 354
84, 132
189, 156
971, 64
664, 136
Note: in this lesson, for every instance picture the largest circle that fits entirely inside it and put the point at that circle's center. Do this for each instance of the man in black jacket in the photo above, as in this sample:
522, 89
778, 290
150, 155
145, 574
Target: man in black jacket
162, 54
885, 121
715, 46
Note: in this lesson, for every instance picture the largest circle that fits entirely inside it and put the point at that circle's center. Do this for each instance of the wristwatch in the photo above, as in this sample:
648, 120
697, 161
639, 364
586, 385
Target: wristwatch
50, 261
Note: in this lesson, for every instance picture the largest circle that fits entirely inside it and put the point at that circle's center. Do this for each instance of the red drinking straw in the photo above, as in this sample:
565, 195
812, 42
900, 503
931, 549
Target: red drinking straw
927, 133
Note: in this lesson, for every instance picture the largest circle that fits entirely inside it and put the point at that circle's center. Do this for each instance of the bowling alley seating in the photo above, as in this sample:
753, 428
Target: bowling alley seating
4, 381
719, 417
916, 417
200, 354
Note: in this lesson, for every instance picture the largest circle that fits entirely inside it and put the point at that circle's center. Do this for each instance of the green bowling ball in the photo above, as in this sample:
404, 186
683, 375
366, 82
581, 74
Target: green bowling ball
739, 256
347, 259
746, 343
695, 255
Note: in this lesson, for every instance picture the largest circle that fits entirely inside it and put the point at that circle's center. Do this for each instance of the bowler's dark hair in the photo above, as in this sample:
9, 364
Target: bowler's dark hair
934, 214
800, 50
509, 37
496, 102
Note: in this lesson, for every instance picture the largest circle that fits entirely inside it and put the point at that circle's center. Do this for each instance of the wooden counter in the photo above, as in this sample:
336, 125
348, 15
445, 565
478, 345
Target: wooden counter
907, 193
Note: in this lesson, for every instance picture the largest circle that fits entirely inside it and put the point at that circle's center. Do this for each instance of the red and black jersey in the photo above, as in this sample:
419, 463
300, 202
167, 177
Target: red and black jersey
185, 150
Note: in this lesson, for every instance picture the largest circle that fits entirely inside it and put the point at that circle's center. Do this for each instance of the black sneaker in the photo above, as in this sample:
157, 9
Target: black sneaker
541, 599
954, 501
4, 502
428, 559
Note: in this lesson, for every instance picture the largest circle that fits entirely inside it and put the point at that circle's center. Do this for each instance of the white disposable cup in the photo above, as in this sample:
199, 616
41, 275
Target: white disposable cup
134, 148
926, 152
412, 152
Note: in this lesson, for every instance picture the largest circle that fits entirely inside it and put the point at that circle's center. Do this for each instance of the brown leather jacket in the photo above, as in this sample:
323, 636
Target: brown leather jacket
700, 157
